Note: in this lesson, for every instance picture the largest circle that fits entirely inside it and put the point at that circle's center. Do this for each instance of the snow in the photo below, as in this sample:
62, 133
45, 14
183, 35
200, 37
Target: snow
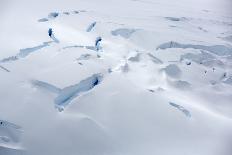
66, 94
117, 77
220, 50
91, 26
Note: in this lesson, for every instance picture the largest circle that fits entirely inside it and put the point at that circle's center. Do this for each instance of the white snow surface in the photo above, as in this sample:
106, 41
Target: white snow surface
159, 82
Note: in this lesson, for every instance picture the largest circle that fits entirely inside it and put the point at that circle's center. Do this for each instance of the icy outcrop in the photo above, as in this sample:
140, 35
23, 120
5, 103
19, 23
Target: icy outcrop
4, 68
91, 26
67, 94
43, 20
181, 108
97, 43
176, 19
203, 58
25, 52
66, 13
134, 57
220, 50
53, 15
228, 80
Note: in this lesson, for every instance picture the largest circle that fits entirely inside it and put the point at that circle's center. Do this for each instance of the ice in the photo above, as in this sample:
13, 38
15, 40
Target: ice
123, 32
43, 20
91, 26
173, 70
181, 108
26, 51
70, 92
84, 57
53, 15
220, 50
131, 77
176, 19
180, 84
155, 59
67, 94
10, 136
5, 69
228, 80
66, 13
92, 48
135, 58
47, 86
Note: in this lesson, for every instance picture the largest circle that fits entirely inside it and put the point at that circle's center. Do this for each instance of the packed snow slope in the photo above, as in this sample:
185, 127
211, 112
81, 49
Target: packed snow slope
117, 77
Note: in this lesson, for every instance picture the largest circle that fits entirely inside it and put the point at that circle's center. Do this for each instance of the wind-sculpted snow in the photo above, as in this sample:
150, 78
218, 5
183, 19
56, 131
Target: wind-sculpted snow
168, 101
123, 32
91, 26
181, 108
10, 138
220, 50
122, 67
11, 151
67, 94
